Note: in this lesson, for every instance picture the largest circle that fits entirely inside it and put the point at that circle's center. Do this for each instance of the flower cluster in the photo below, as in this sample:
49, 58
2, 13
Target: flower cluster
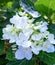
30, 38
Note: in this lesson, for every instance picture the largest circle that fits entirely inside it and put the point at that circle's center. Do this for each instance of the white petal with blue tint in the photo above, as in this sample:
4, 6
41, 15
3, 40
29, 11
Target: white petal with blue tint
22, 53
48, 47
19, 54
36, 37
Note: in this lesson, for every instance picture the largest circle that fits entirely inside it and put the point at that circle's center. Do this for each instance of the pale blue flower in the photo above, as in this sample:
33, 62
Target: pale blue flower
48, 47
22, 53
36, 37
23, 41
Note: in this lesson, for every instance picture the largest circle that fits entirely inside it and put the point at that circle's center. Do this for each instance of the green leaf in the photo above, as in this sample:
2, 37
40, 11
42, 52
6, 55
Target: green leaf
0, 33
48, 58
27, 2
10, 55
2, 47
39, 19
16, 4
52, 28
4, 1
22, 62
45, 7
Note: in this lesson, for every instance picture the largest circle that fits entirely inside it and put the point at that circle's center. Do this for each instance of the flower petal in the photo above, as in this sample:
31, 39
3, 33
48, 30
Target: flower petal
19, 54
28, 54
26, 44
48, 47
35, 51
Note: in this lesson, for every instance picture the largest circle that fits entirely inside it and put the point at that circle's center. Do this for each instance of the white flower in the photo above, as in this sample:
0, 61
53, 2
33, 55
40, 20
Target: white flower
29, 10
34, 14
12, 38
23, 41
36, 48
22, 22
14, 19
28, 31
45, 34
6, 31
22, 53
42, 26
43, 29
48, 47
36, 37
19, 21
51, 38
10, 33
28, 37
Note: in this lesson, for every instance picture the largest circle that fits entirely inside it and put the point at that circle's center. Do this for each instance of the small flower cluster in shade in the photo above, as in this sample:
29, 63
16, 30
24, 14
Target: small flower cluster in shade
30, 38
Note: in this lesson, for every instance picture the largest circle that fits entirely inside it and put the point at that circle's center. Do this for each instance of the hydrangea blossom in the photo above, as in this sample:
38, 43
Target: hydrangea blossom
48, 47
30, 38
29, 10
23, 41
22, 53
10, 33
42, 26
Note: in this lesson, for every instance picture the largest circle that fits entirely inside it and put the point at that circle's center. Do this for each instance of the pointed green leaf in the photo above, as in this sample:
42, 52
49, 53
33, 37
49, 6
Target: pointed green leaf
48, 58
22, 62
